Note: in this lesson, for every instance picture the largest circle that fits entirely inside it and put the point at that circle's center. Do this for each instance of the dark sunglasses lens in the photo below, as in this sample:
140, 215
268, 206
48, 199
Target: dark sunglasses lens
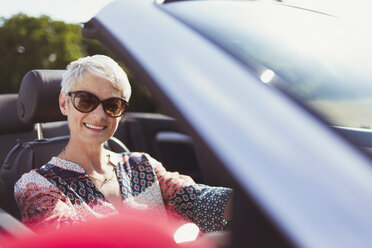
85, 102
115, 107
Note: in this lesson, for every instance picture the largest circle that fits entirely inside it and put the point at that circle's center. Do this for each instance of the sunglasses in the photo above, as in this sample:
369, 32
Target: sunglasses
86, 102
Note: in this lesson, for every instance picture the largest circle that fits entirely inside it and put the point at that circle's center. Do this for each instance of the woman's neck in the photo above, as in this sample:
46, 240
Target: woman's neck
91, 158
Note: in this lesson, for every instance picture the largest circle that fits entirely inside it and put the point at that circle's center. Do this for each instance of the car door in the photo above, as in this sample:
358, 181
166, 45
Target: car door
297, 182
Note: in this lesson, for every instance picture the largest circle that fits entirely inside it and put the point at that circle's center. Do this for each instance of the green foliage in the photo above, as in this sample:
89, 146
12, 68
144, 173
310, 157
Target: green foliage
28, 43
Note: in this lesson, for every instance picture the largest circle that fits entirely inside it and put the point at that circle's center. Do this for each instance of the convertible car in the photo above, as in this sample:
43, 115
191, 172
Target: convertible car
272, 100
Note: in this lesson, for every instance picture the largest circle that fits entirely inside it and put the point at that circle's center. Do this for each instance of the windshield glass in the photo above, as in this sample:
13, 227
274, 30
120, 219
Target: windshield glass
322, 60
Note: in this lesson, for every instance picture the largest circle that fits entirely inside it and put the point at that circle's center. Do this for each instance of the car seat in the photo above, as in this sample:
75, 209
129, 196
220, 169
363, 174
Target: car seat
37, 104
11, 127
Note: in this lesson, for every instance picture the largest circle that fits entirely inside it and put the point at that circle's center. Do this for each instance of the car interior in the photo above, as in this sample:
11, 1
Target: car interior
34, 130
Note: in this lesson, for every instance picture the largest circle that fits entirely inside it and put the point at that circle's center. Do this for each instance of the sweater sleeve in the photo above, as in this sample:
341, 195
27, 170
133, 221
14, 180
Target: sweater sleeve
41, 204
202, 204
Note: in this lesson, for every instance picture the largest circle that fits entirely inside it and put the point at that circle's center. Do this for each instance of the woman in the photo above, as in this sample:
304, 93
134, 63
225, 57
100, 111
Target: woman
85, 180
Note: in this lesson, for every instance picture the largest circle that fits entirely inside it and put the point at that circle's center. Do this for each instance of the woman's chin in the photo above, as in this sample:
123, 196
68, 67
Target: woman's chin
96, 140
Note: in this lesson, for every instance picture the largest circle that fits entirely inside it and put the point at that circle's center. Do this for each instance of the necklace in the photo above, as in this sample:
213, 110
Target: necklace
102, 182
105, 180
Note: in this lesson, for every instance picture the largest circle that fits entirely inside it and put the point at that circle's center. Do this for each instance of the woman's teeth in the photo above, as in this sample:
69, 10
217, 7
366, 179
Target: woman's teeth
94, 127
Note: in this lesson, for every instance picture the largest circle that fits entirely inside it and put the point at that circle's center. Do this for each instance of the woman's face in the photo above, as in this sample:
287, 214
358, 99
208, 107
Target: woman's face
96, 127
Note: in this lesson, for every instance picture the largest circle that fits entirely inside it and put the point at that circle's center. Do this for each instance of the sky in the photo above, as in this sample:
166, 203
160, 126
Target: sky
79, 11
70, 11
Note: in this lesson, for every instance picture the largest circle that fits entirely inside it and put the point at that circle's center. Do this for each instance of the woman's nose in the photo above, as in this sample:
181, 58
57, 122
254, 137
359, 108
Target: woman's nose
99, 111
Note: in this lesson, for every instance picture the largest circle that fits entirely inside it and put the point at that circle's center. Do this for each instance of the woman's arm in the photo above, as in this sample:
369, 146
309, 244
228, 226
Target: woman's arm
206, 206
42, 205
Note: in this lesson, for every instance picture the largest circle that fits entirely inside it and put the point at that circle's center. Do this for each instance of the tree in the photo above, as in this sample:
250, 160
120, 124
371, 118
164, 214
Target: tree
28, 43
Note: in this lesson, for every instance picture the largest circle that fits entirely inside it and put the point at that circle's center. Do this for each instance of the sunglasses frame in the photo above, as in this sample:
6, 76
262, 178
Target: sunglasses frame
73, 94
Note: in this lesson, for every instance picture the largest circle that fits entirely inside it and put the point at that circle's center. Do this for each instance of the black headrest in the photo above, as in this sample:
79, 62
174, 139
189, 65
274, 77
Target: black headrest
38, 96
10, 122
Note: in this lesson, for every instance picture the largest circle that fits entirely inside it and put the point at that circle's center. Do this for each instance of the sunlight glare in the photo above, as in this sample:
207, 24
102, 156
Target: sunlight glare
186, 233
267, 75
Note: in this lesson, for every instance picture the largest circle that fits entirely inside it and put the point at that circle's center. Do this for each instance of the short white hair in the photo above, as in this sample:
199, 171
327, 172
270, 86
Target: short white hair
98, 65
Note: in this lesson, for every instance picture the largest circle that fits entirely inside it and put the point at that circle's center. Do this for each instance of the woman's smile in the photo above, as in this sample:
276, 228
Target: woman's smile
95, 127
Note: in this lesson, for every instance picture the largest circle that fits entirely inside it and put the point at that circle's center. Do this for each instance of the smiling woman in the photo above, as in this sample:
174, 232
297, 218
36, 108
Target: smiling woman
86, 180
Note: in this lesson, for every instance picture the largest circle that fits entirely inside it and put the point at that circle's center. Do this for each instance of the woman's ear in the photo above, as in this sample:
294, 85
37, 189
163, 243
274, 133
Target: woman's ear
63, 103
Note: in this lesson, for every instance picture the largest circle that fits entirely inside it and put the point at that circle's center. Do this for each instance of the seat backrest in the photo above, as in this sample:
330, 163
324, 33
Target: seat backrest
163, 138
37, 103
24, 157
11, 127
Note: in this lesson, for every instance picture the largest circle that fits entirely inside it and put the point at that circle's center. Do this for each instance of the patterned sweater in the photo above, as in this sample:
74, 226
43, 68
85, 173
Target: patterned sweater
61, 192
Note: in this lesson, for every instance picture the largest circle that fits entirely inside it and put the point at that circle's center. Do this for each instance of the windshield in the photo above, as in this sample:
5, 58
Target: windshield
322, 60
